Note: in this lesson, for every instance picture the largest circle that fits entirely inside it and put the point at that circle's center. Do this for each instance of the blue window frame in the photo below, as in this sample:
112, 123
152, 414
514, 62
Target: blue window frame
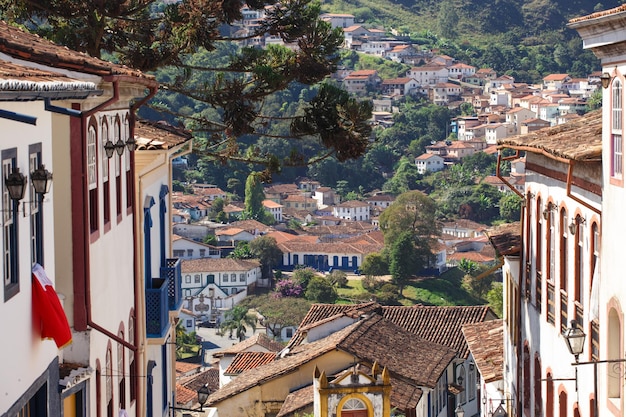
36, 209
10, 255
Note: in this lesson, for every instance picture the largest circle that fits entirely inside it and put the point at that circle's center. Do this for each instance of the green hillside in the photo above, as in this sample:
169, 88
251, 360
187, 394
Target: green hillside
526, 39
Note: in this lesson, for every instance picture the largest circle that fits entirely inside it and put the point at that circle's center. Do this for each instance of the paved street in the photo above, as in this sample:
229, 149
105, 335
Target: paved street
220, 342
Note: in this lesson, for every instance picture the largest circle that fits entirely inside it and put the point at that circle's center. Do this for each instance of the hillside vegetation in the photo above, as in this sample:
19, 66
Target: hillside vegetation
526, 39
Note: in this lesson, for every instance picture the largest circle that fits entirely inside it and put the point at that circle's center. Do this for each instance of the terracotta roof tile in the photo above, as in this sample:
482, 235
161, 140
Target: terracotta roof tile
377, 340
185, 396
260, 339
159, 135
21, 82
579, 140
297, 401
221, 264
209, 377
372, 339
184, 367
439, 324
249, 360
278, 368
21, 44
506, 239
485, 341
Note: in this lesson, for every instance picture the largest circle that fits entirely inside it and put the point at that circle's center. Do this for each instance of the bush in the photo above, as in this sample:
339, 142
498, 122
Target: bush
338, 278
388, 294
303, 276
371, 283
320, 290
288, 288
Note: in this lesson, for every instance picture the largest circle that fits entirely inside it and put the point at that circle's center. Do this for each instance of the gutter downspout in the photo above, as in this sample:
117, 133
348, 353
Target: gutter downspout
140, 311
499, 174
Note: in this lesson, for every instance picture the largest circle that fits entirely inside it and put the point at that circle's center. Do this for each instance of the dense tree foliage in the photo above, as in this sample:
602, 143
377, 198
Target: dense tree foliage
279, 313
321, 290
404, 260
219, 96
266, 250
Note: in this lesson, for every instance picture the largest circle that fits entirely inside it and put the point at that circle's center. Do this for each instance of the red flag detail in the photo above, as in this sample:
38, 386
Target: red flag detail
48, 313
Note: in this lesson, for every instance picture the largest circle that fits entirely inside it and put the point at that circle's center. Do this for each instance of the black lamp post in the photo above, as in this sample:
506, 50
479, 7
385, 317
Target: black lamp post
109, 148
16, 184
203, 396
41, 179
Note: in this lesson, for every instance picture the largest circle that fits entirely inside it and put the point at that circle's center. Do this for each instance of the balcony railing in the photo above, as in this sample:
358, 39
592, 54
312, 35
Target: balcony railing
172, 273
157, 318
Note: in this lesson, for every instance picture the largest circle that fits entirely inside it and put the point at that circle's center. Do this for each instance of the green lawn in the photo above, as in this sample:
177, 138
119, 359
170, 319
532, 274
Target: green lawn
443, 290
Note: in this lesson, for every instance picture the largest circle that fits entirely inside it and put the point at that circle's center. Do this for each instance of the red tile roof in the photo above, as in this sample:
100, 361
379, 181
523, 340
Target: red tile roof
21, 44
438, 324
249, 360
297, 401
222, 264
486, 342
159, 135
372, 339
506, 239
260, 339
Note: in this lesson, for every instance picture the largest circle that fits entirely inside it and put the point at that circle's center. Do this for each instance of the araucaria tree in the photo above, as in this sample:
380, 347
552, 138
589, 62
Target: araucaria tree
226, 95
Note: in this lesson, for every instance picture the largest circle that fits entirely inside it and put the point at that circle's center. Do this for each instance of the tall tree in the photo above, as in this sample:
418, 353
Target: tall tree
412, 211
266, 250
230, 96
404, 261
254, 197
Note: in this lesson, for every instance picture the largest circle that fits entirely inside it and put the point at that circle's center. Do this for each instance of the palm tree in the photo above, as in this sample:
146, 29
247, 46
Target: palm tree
236, 320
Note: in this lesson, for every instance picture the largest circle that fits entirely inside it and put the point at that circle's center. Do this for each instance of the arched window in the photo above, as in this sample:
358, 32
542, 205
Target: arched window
92, 175
578, 258
539, 254
354, 407
108, 378
106, 189
537, 388
549, 395
617, 144
563, 404
614, 336
564, 230
131, 357
121, 371
526, 376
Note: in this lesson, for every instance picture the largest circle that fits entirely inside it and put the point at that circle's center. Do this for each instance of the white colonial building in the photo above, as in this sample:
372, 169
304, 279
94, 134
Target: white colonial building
352, 210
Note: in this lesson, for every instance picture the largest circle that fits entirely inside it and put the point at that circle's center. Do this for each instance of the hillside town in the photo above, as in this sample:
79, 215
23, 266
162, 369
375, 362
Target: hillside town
106, 267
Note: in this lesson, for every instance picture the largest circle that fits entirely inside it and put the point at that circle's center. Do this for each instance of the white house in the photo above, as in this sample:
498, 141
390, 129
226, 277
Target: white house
338, 20
184, 248
429, 75
352, 210
399, 86
231, 275
232, 235
429, 163
558, 247
275, 209
79, 123
517, 115
461, 70
603, 34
